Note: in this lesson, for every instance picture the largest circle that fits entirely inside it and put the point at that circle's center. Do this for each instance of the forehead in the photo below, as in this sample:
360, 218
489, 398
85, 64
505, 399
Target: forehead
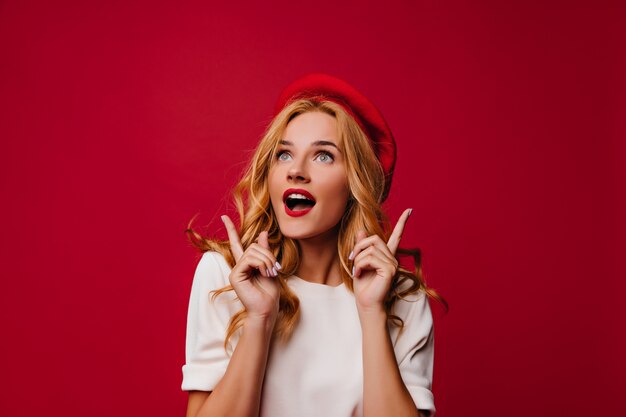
310, 127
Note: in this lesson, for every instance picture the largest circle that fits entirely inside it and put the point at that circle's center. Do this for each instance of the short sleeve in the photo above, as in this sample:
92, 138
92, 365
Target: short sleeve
415, 347
206, 359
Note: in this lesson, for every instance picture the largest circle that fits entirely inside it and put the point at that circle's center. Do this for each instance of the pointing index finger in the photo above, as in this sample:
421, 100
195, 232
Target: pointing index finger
235, 244
396, 235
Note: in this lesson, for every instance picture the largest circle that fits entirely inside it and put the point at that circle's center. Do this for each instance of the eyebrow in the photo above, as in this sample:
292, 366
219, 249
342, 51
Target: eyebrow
316, 143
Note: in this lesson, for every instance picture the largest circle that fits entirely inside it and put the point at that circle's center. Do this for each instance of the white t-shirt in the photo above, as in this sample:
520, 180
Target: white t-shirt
319, 372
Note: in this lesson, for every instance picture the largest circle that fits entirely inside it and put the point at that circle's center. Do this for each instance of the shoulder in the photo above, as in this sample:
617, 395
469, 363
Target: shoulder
418, 325
418, 298
414, 308
411, 304
212, 274
212, 270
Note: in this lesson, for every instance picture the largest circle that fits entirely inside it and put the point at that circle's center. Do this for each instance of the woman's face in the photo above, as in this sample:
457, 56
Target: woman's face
309, 164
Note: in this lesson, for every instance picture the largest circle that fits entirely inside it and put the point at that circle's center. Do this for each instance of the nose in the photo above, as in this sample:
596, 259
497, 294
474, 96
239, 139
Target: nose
297, 172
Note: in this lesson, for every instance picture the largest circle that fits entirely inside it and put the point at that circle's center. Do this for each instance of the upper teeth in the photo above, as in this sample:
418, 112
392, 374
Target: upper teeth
300, 196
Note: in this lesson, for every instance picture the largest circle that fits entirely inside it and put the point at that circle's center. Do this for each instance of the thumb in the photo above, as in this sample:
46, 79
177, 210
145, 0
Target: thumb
263, 239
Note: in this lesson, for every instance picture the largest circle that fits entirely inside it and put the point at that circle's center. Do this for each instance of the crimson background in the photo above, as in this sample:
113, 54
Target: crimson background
121, 120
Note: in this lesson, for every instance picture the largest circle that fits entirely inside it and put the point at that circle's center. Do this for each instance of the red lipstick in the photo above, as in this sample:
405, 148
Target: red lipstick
305, 193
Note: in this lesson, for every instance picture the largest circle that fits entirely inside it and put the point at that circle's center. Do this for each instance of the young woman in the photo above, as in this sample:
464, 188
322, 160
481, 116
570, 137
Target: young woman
305, 311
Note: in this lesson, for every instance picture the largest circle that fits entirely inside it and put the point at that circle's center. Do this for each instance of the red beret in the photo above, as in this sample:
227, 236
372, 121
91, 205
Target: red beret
369, 118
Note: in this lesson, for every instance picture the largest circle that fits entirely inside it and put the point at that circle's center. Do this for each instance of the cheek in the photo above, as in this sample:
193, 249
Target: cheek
272, 183
338, 189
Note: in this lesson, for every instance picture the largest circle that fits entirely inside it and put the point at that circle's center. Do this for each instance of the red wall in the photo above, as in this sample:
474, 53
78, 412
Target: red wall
119, 122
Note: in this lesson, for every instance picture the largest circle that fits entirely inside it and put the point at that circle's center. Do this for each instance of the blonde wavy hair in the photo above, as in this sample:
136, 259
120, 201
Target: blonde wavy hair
363, 212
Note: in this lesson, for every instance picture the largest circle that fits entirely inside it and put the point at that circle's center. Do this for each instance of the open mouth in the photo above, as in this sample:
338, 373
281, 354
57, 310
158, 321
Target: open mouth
298, 201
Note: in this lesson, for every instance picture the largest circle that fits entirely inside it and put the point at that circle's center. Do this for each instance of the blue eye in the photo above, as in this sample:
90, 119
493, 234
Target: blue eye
280, 154
328, 156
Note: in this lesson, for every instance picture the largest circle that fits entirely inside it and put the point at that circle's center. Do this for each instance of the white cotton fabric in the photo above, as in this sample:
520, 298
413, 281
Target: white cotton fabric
319, 372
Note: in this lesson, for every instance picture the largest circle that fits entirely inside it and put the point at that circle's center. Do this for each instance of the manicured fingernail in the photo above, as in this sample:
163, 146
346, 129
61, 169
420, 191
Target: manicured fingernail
275, 272
353, 271
222, 217
267, 272
410, 211
279, 266
351, 255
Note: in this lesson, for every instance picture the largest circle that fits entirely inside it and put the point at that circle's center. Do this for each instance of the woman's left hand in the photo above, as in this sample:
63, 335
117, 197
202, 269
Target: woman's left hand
375, 265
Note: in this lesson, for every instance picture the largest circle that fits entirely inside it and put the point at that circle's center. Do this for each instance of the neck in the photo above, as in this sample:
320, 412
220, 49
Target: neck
319, 262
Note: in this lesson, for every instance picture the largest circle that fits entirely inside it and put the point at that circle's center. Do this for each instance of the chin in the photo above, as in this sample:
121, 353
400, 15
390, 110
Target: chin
297, 233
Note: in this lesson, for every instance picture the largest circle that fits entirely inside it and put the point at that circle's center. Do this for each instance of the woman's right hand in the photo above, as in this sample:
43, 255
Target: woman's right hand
253, 277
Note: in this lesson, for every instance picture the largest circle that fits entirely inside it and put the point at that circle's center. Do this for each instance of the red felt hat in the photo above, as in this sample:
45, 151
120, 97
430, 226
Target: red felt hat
323, 86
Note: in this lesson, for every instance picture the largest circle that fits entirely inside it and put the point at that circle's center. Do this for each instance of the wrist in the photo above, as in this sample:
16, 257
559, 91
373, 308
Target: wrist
372, 314
265, 323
